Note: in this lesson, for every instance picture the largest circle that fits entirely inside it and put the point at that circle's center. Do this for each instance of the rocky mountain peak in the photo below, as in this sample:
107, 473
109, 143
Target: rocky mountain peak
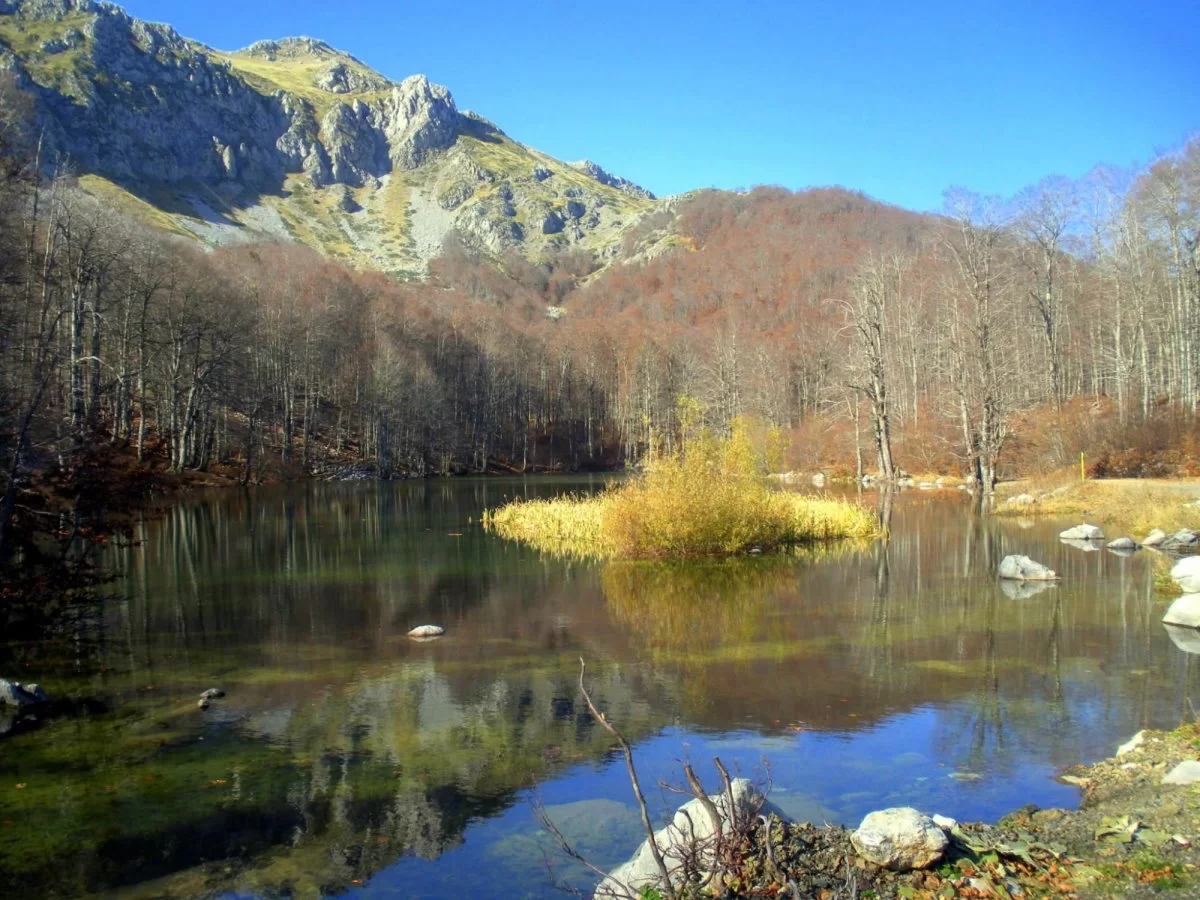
593, 170
290, 48
295, 139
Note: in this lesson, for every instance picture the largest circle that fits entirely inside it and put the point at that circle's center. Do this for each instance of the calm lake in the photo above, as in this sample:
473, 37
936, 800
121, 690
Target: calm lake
349, 760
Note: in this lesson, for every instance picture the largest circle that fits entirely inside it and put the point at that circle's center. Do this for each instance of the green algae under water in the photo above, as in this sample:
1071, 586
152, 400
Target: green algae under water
348, 759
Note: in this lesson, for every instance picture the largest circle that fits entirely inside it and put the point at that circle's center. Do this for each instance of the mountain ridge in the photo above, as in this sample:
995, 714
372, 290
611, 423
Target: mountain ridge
294, 139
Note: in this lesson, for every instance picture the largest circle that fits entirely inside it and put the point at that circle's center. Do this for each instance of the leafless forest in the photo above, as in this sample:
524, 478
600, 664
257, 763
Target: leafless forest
994, 338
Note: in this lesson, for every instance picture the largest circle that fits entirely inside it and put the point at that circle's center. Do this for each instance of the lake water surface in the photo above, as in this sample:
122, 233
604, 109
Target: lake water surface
350, 760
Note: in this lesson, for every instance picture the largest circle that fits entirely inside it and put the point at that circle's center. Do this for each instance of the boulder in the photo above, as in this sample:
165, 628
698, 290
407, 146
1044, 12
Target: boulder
212, 694
1085, 546
427, 631
1182, 541
690, 830
1154, 538
1187, 772
14, 695
900, 838
1083, 533
1186, 573
1022, 568
1021, 500
1122, 543
1185, 611
818, 480
1133, 743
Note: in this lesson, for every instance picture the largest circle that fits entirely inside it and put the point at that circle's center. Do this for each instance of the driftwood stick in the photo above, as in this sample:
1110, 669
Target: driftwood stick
667, 888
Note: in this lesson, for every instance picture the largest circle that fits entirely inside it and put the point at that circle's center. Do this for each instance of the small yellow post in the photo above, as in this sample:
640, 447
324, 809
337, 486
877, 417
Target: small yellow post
1082, 470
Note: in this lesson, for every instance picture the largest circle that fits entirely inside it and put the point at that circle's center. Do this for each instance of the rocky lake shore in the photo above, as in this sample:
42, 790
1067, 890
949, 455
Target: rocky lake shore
1133, 835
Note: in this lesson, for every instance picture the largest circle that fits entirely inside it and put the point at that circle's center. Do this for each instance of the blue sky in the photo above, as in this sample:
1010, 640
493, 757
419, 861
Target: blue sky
900, 100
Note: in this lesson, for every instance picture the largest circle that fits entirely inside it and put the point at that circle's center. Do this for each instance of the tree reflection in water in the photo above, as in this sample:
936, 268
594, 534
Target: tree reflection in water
344, 751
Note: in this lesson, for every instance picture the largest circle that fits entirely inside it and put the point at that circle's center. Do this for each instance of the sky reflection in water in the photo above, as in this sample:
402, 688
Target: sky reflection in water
347, 758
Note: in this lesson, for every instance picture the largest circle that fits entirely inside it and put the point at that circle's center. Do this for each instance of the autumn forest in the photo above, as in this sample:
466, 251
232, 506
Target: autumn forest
993, 338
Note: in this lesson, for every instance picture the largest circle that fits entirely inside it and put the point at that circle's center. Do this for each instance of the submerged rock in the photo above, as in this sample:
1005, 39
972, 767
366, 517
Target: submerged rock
15, 695
1083, 533
1186, 573
427, 631
690, 831
900, 838
1123, 543
212, 694
1022, 568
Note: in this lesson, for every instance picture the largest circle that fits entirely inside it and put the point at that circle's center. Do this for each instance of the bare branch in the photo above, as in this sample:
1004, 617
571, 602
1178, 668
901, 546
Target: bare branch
667, 888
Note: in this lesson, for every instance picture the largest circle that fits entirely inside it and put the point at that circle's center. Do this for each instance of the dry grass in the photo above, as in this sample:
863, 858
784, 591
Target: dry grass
1136, 507
709, 500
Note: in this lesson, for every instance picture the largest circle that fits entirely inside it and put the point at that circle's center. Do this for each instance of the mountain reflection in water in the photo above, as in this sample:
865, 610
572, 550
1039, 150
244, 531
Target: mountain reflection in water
348, 758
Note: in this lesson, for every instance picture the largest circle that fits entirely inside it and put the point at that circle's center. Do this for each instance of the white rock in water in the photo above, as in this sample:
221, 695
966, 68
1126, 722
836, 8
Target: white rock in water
1154, 538
900, 838
691, 828
427, 631
1122, 543
1083, 533
1186, 573
1133, 743
1184, 611
1022, 568
1187, 772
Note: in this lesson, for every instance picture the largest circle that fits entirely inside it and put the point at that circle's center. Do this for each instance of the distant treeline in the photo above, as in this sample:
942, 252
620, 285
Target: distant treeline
997, 335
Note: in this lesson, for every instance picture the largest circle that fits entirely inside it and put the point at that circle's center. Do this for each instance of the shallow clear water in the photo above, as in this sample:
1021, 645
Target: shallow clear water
349, 759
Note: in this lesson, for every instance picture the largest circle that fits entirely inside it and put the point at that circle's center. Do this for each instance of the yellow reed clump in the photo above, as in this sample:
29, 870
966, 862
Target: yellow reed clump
709, 499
